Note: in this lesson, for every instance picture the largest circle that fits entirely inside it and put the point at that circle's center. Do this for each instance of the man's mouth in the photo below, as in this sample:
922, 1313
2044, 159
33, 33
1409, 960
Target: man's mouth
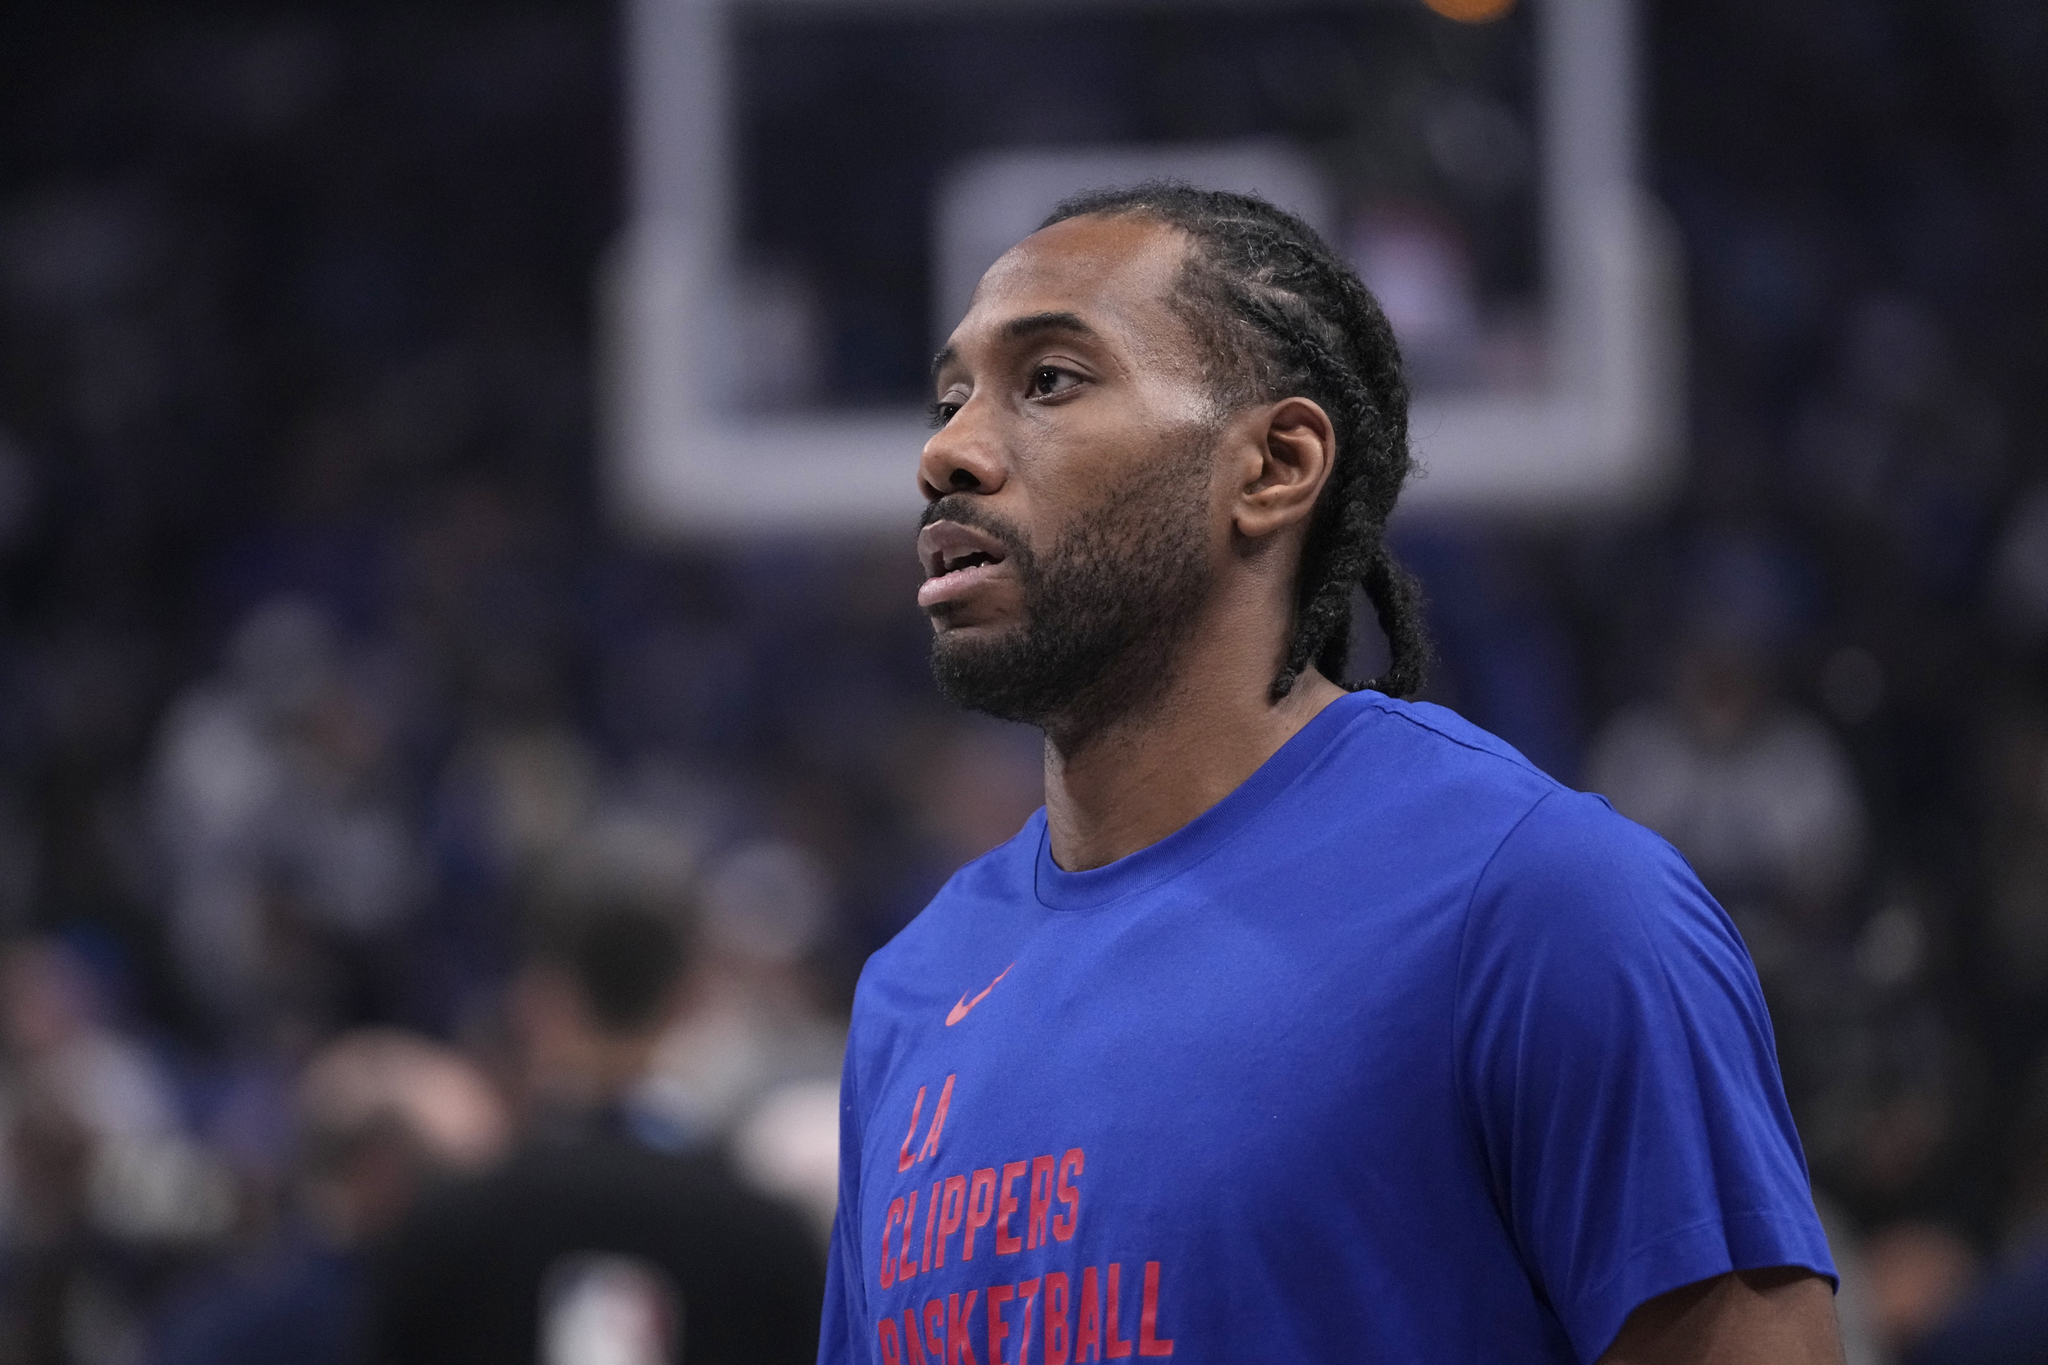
956, 560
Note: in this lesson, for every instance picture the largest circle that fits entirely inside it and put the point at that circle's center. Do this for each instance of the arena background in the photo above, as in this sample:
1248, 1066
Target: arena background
324, 645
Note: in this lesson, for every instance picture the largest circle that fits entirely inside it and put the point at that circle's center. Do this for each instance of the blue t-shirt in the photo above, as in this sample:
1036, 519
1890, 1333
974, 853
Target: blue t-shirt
1402, 1052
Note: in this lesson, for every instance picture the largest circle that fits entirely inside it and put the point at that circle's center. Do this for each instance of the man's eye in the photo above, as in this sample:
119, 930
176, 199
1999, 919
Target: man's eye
942, 412
1046, 380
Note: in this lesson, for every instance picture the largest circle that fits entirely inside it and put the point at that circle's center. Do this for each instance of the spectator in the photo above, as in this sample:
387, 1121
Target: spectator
1918, 1272
751, 1017
1757, 794
291, 867
604, 1237
754, 1055
2005, 1321
98, 1179
380, 1114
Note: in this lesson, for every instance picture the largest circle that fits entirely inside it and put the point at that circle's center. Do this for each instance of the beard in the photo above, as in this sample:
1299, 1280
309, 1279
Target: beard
1106, 610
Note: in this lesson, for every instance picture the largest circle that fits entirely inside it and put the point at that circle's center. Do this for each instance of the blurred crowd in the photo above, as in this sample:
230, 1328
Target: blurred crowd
322, 673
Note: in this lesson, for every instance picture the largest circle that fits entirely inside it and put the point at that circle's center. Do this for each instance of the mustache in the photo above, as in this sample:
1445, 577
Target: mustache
963, 510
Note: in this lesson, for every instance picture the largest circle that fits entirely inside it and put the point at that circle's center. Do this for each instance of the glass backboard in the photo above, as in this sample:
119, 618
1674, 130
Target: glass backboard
817, 184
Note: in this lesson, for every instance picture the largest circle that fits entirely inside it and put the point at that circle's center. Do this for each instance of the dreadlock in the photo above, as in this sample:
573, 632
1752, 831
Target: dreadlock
1281, 315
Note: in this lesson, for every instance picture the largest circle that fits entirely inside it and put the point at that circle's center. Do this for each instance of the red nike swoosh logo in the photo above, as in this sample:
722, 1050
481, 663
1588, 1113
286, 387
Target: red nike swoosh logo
959, 1010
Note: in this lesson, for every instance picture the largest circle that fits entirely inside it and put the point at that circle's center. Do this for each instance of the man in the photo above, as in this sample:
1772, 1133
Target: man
2004, 1319
601, 1239
1302, 1024
381, 1114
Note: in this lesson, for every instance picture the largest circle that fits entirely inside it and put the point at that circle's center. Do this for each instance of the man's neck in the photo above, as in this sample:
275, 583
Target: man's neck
1128, 785
592, 1069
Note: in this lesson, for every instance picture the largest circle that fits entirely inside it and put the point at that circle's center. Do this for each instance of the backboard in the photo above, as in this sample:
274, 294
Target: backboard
816, 184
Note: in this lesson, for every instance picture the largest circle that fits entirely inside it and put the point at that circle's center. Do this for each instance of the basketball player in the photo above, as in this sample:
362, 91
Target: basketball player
1303, 1023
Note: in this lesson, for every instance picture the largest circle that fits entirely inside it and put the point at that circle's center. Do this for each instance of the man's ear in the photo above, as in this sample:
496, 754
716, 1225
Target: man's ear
1289, 453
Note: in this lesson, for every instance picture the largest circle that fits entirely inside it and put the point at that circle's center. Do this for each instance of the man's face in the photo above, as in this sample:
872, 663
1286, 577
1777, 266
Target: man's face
1069, 539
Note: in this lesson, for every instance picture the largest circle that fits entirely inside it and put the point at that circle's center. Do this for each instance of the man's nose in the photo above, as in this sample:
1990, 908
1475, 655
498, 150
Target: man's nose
961, 457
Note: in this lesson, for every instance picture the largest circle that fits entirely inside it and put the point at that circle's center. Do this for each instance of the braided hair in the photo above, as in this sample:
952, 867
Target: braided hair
1279, 314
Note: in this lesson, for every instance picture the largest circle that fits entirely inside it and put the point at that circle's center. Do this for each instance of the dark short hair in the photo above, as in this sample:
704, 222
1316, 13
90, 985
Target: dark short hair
1280, 315
624, 955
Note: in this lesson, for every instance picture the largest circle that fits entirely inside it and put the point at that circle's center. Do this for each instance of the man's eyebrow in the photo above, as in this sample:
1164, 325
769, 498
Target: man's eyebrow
1023, 328
1031, 324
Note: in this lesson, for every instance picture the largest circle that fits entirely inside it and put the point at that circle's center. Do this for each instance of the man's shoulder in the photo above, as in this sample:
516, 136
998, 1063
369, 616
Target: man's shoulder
1419, 740
1578, 886
1442, 779
1445, 784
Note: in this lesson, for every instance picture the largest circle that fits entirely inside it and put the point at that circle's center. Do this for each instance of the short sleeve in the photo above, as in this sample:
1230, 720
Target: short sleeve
1618, 1068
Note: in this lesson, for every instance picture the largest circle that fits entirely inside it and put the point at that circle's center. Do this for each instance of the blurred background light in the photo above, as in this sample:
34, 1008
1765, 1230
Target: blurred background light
1471, 11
